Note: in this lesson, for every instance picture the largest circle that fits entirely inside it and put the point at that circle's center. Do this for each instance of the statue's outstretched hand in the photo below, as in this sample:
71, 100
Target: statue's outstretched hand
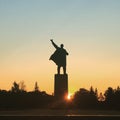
51, 40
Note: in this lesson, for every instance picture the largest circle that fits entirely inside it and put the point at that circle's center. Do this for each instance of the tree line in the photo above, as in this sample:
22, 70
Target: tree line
18, 97
90, 99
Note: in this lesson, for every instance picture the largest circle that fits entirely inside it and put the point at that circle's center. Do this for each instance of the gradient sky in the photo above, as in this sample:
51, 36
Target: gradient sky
89, 29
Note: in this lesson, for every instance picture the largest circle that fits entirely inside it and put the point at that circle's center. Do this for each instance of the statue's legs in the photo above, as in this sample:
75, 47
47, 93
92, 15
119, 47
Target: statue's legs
64, 69
58, 69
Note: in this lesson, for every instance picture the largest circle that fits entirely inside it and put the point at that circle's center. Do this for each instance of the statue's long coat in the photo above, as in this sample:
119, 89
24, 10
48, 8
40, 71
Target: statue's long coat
59, 57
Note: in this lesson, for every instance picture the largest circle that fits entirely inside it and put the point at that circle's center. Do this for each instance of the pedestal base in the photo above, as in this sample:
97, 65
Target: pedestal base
61, 86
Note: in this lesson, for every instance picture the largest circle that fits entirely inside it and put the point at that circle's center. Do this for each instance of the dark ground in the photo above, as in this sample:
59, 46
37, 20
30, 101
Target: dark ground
59, 118
55, 114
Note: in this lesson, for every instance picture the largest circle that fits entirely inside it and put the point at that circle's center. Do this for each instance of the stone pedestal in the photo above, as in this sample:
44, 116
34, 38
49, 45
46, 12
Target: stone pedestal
61, 86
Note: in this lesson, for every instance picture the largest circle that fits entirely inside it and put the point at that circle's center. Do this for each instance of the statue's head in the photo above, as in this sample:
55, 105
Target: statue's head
61, 45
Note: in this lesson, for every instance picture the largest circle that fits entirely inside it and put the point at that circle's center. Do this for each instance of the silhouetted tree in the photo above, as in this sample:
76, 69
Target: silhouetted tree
93, 96
96, 92
78, 97
22, 86
92, 90
117, 97
85, 98
112, 98
15, 88
109, 93
36, 88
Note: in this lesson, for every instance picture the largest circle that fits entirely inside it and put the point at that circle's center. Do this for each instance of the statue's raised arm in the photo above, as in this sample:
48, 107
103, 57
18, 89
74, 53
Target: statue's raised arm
54, 44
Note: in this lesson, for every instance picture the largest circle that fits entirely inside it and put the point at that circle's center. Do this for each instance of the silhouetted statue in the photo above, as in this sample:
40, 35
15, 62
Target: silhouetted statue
59, 57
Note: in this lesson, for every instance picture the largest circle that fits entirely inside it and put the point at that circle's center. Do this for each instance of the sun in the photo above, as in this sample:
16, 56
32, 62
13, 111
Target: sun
69, 96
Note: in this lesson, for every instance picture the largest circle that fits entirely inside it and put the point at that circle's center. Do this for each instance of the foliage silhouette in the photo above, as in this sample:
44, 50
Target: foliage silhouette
22, 86
36, 88
112, 98
85, 98
15, 88
18, 97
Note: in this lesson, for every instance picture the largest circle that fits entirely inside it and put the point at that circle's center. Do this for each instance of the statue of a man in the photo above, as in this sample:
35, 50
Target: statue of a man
59, 57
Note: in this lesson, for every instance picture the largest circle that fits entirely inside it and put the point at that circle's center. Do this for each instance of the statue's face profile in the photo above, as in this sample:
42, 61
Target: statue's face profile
61, 45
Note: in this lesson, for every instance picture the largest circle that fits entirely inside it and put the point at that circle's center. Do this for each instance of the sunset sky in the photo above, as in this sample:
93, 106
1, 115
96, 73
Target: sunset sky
89, 30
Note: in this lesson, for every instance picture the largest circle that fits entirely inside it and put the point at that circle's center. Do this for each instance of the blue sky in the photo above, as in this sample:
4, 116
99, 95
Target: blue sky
90, 30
